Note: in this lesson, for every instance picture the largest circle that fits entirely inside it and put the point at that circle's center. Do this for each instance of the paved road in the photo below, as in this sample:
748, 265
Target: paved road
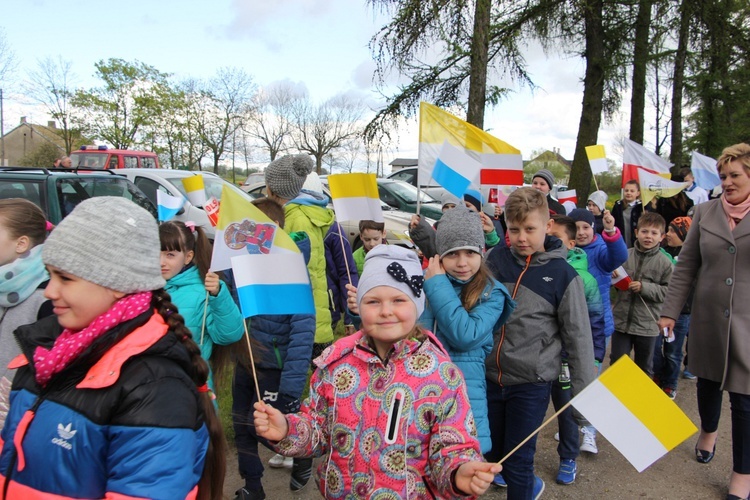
606, 475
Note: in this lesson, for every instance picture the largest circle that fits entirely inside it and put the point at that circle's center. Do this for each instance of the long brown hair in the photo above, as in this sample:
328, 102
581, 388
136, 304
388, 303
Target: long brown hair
211, 484
472, 291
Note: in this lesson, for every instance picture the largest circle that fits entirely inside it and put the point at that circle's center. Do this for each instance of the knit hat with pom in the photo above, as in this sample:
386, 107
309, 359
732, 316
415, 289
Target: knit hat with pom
285, 176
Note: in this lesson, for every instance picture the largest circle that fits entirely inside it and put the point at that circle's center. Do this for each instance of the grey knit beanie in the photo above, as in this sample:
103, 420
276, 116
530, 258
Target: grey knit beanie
285, 176
109, 241
394, 266
459, 229
599, 198
582, 215
547, 176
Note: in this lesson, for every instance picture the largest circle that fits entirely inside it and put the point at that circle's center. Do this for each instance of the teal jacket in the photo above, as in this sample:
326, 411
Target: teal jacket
467, 336
308, 213
223, 318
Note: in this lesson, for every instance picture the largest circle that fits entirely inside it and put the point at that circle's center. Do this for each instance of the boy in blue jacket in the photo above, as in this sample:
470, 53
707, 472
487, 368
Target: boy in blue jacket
605, 252
281, 363
526, 354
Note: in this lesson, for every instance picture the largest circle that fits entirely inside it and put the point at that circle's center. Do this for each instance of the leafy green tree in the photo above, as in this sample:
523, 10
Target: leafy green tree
127, 102
42, 157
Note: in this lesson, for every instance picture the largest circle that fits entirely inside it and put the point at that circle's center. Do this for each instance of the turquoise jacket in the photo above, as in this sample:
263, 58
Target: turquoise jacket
223, 318
308, 213
467, 335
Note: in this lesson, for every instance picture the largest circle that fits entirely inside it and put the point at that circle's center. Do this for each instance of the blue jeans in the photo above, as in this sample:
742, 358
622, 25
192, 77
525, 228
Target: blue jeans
668, 355
569, 446
515, 412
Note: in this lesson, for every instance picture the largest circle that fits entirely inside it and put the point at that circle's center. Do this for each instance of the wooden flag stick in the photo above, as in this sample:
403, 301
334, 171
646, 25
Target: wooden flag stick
252, 360
205, 310
341, 238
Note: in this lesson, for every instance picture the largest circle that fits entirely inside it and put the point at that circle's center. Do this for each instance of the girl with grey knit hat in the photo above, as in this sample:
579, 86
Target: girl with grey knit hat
110, 396
465, 305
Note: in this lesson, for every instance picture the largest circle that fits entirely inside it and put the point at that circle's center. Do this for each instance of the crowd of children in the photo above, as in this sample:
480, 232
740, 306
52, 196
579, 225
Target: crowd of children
443, 366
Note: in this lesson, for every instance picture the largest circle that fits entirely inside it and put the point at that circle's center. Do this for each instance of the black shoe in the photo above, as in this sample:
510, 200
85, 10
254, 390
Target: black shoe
734, 497
301, 472
703, 456
248, 494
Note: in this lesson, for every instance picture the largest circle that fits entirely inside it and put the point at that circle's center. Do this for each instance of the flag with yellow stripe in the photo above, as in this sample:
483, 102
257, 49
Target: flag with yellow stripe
635, 416
355, 197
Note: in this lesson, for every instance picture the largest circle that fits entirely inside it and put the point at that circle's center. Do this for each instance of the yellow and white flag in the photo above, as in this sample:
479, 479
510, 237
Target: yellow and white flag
628, 409
597, 159
195, 189
656, 185
243, 229
355, 197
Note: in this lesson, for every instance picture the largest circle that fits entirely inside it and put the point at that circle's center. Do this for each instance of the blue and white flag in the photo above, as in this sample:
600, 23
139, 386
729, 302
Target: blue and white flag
455, 170
167, 205
276, 283
704, 171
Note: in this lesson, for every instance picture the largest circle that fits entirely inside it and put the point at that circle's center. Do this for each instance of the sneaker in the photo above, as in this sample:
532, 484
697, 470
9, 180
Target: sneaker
280, 461
301, 472
670, 392
557, 436
247, 494
538, 488
566, 474
589, 441
687, 375
499, 481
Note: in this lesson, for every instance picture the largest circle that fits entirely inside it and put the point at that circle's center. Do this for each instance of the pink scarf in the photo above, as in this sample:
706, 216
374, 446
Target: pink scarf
735, 213
70, 344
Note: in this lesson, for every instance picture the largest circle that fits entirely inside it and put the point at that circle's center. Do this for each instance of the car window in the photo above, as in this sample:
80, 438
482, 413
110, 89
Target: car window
131, 162
150, 187
72, 191
405, 191
148, 162
89, 160
28, 190
113, 162
404, 176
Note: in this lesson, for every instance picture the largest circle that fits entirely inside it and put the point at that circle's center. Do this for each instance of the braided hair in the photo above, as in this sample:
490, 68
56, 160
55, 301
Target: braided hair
211, 483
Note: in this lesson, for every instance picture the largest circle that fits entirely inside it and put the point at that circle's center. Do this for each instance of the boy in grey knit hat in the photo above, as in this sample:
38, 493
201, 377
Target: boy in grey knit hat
544, 181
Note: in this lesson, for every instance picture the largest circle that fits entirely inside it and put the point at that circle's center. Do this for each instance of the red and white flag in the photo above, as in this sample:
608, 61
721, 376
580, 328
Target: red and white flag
620, 279
636, 156
569, 195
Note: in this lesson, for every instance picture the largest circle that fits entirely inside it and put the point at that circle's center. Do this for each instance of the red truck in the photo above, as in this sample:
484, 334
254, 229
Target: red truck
101, 157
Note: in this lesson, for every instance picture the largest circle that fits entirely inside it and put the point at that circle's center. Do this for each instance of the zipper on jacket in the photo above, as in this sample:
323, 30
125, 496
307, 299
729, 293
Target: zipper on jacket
502, 330
14, 452
636, 277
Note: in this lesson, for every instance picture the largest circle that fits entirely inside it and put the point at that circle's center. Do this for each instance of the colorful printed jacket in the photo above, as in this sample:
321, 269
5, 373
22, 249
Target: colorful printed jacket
123, 421
393, 429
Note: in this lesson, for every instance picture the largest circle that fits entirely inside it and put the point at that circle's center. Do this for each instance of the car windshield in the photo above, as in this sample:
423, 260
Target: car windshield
88, 160
213, 186
409, 193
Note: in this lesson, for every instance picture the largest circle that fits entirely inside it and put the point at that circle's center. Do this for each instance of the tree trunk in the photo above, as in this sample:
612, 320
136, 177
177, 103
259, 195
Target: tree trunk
640, 65
678, 83
479, 56
593, 93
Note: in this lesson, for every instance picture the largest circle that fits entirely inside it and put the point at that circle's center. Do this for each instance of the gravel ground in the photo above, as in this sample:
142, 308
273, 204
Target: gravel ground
606, 475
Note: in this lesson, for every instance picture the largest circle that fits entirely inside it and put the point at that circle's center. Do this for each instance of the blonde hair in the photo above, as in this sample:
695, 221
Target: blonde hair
739, 152
523, 201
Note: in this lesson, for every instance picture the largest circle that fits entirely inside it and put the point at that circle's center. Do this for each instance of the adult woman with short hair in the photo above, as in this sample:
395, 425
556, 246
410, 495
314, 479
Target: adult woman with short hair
716, 246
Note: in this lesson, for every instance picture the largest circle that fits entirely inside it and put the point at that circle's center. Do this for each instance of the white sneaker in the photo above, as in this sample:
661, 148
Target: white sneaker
280, 461
589, 442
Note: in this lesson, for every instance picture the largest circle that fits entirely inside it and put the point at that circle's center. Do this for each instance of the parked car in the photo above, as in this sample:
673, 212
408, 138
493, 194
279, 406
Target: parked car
100, 157
409, 175
170, 181
58, 191
396, 221
252, 180
403, 196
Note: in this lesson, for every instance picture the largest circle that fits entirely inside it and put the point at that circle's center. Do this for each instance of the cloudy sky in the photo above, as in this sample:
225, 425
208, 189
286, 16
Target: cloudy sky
319, 43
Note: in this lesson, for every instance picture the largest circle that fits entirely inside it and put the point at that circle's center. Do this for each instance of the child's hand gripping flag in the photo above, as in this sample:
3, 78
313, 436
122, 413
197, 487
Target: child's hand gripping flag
355, 197
620, 279
637, 417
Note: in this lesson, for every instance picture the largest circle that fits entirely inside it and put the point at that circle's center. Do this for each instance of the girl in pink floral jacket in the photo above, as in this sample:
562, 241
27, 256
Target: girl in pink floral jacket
386, 406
